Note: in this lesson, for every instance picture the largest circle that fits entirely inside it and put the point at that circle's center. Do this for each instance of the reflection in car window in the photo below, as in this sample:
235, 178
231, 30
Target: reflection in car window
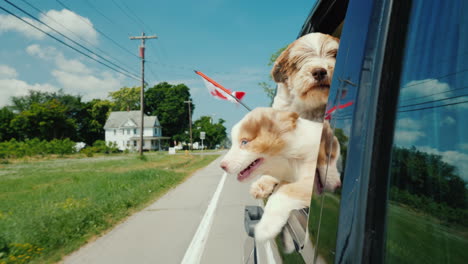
427, 212
323, 224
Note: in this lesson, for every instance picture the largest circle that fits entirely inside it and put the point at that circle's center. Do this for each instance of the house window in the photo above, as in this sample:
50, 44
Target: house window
134, 143
115, 132
128, 131
134, 131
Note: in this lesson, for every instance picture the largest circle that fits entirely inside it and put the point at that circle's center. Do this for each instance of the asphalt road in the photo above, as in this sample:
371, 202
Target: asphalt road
202, 220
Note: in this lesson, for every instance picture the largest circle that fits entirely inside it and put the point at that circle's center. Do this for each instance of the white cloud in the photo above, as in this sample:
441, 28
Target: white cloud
10, 23
431, 88
71, 21
52, 54
408, 131
88, 85
407, 138
463, 146
7, 72
448, 120
455, 158
427, 90
65, 17
408, 124
14, 87
75, 77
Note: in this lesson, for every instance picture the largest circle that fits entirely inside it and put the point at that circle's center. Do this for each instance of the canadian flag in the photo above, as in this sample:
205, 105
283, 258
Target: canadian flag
218, 91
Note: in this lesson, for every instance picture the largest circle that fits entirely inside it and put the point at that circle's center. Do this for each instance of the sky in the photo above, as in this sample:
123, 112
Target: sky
230, 41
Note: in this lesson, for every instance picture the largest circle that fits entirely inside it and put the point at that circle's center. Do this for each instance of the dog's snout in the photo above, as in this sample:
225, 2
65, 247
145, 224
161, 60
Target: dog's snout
338, 185
319, 73
224, 165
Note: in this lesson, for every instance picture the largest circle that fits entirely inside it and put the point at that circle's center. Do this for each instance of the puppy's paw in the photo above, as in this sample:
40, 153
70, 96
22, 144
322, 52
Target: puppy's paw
263, 187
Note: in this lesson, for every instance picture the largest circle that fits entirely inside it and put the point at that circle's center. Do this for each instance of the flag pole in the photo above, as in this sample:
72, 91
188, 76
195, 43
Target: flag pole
222, 88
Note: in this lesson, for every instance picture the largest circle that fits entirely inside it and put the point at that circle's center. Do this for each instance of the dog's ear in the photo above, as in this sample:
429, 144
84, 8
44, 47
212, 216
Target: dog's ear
278, 73
287, 120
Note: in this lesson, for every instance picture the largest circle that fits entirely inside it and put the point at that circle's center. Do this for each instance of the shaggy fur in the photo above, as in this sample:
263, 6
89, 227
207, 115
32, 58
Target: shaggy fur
303, 73
284, 149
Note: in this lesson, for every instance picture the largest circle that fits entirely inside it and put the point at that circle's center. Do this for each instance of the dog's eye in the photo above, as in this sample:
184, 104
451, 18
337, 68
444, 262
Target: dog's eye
244, 142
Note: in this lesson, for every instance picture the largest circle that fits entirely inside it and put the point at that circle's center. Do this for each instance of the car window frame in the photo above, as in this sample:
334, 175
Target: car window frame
362, 219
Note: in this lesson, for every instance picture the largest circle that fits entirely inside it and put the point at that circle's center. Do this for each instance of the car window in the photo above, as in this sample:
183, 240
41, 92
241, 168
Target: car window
427, 211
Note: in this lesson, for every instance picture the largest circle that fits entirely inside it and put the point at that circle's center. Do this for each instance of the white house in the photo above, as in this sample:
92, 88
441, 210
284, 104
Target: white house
123, 128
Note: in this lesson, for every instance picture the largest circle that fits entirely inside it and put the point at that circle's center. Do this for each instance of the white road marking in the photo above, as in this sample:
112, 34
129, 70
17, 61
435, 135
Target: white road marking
195, 250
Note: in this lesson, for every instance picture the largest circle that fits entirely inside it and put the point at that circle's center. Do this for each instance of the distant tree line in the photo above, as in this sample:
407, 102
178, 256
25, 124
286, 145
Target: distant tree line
57, 115
427, 183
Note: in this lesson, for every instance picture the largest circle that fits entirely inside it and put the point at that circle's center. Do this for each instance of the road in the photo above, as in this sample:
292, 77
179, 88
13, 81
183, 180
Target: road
200, 221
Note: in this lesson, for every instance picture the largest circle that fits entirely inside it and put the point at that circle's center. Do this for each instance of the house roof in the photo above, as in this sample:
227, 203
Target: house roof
129, 119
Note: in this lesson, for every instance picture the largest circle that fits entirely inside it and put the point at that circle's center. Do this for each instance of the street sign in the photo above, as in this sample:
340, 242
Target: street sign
202, 135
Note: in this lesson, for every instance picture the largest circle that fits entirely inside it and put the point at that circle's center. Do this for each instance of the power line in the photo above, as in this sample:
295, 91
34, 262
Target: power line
127, 15
133, 13
64, 43
76, 43
448, 91
100, 13
436, 78
73, 33
100, 32
433, 101
136, 20
430, 107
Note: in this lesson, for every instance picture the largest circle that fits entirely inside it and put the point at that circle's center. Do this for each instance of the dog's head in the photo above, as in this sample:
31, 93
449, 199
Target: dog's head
305, 69
256, 140
327, 175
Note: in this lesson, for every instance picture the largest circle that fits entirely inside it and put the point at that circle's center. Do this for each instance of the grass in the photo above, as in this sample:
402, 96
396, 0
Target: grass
50, 208
412, 236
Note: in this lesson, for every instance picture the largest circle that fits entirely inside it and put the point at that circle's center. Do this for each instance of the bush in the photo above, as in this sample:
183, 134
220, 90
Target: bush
100, 146
427, 205
34, 147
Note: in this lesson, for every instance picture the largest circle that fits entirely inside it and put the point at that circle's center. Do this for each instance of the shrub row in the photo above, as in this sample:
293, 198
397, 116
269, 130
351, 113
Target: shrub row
35, 147
427, 205
100, 146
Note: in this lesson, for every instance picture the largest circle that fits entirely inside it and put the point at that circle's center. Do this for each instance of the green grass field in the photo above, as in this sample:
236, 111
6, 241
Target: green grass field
50, 208
412, 237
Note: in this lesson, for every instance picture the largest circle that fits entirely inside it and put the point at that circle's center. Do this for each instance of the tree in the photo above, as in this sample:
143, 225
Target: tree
126, 99
72, 107
215, 133
6, 132
426, 174
166, 101
93, 118
266, 86
47, 121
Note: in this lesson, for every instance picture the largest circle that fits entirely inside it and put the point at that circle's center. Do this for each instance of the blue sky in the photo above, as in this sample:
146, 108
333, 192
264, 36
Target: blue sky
230, 41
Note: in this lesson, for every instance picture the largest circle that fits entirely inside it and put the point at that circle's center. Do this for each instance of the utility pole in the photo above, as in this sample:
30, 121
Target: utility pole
190, 120
143, 37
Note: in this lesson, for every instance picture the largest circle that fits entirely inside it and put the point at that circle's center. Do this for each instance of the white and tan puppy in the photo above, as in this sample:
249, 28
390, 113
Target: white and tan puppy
284, 149
303, 72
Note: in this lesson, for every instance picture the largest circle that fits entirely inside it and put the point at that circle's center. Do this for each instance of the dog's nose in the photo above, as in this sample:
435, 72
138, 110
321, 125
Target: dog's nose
338, 185
224, 165
319, 73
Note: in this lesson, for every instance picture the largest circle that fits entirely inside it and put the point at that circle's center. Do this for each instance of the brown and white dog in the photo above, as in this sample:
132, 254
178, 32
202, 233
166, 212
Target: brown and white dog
303, 72
284, 149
